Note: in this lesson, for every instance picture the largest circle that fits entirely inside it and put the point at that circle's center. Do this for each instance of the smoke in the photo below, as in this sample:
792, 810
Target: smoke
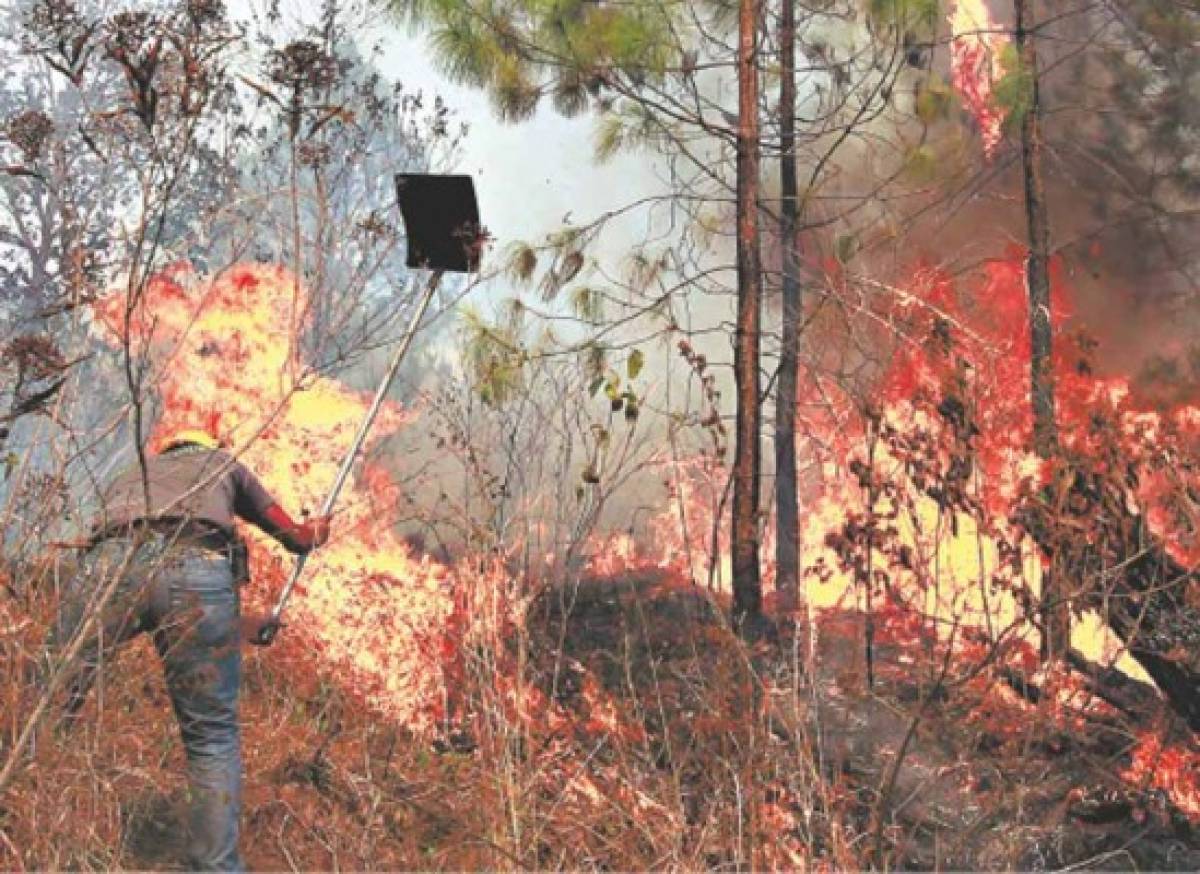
902, 192
1122, 217
1120, 222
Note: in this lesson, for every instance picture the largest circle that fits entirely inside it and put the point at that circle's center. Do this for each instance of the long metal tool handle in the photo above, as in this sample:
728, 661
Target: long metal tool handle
270, 628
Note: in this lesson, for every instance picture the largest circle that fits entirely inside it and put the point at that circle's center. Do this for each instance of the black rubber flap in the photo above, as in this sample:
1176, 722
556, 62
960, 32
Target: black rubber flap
441, 218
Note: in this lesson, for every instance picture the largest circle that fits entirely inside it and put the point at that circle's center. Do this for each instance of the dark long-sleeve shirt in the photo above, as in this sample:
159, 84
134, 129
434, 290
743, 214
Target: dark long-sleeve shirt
235, 491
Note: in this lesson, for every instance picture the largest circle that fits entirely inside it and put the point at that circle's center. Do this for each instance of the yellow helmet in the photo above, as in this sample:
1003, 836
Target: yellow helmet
188, 435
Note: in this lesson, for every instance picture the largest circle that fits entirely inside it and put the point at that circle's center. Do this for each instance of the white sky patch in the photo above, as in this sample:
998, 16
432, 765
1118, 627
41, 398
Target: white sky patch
529, 176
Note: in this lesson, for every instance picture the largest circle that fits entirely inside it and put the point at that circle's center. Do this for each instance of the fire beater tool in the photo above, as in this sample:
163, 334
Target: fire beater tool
441, 217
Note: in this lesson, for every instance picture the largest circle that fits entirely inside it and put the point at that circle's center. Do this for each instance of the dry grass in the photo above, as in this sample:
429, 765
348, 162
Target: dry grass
596, 754
620, 727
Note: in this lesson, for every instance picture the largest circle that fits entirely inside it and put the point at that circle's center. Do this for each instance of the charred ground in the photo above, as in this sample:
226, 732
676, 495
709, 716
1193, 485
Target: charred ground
625, 727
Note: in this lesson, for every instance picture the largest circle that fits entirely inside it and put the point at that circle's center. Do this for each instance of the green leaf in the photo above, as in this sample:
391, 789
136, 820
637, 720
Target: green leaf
631, 405
921, 165
496, 354
595, 386
631, 126
906, 14
609, 137
593, 363
612, 387
463, 52
635, 363
586, 303
515, 93
845, 248
522, 261
570, 94
933, 101
1013, 92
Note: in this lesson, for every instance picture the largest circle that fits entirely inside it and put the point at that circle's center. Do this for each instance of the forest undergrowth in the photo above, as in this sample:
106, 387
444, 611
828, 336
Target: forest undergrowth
619, 726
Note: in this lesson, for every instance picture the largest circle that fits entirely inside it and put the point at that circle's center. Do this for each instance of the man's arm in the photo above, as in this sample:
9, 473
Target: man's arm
295, 537
254, 504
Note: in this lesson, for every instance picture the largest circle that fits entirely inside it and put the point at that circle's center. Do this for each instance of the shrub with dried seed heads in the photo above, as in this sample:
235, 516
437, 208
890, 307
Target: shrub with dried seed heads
203, 12
303, 66
313, 154
55, 20
35, 356
129, 35
29, 132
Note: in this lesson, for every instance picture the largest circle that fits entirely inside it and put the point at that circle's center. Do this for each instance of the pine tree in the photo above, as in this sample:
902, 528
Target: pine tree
747, 462
654, 74
787, 541
1055, 613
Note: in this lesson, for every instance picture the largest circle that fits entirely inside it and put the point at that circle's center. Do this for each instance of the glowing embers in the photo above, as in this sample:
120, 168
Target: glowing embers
975, 66
1172, 767
222, 352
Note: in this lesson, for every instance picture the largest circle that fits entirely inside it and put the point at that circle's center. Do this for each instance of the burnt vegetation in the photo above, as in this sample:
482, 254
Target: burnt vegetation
976, 644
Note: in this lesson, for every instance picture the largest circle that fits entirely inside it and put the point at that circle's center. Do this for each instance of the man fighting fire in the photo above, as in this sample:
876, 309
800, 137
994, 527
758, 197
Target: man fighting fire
177, 558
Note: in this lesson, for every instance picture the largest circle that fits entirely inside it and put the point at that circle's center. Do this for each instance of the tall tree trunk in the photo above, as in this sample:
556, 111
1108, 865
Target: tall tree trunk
1055, 614
747, 585
787, 521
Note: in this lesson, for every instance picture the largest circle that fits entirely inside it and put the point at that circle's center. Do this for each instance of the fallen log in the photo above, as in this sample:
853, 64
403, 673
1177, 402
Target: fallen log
1132, 697
1148, 610
1116, 567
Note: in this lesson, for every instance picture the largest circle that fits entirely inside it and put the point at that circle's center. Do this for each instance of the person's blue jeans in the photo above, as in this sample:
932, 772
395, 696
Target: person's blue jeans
185, 597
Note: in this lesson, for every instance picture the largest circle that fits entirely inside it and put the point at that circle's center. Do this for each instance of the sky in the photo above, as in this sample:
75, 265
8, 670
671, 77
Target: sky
531, 175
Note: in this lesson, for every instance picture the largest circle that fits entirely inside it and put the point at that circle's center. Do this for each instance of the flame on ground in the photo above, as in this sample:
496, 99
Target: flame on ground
383, 624
954, 567
387, 624
1173, 768
223, 355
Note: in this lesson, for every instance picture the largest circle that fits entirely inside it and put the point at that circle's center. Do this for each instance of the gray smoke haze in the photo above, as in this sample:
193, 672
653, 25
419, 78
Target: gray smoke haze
1125, 262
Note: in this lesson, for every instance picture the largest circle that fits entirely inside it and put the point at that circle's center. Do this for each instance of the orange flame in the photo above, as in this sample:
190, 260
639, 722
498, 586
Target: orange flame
223, 353
957, 556
975, 66
385, 622
1172, 768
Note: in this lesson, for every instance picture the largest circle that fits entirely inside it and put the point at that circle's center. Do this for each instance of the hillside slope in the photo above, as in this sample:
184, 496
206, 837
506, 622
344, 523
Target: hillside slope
625, 729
